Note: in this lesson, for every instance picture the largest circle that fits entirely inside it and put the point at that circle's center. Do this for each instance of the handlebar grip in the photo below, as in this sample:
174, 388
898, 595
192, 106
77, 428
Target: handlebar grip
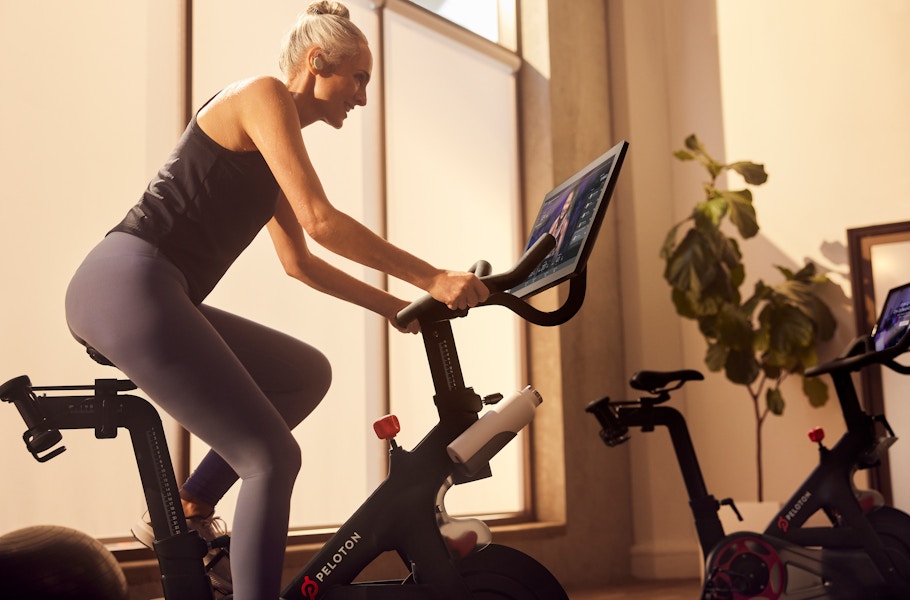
428, 307
38, 438
481, 268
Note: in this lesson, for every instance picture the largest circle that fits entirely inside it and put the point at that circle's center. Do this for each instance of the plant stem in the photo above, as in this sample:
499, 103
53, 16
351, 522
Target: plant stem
759, 421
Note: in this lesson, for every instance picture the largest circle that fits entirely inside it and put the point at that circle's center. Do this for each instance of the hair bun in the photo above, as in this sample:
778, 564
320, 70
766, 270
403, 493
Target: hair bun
329, 7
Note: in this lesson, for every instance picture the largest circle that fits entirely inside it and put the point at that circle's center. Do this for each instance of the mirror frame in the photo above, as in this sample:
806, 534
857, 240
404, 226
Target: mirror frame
860, 241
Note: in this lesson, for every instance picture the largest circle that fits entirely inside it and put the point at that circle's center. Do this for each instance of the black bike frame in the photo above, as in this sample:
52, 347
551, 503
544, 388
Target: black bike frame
853, 543
105, 410
830, 488
401, 514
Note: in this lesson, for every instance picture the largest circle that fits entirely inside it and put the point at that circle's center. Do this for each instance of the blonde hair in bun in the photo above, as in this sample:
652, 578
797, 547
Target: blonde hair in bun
325, 24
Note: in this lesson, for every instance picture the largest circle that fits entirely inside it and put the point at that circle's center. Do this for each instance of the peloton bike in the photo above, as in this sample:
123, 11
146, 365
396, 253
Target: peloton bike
446, 558
864, 554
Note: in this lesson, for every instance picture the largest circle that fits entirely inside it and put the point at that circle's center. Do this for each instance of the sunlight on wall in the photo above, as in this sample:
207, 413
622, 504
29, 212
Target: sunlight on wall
831, 124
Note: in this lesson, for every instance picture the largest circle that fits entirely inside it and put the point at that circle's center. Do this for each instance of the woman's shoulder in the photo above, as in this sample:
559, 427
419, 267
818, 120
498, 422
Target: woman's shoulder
254, 93
255, 88
237, 109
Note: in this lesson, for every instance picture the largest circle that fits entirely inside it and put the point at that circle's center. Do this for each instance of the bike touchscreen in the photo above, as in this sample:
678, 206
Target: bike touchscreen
572, 212
894, 320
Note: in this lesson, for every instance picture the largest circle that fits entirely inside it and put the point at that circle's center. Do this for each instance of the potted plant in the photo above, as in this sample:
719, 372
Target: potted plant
758, 340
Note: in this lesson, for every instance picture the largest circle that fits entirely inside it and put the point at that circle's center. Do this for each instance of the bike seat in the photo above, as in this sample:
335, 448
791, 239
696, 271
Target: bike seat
656, 381
96, 356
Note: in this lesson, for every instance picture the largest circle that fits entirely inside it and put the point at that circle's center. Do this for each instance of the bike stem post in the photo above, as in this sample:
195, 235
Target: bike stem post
704, 506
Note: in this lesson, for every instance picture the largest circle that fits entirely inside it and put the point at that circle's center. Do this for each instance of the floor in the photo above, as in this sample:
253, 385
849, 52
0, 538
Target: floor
645, 590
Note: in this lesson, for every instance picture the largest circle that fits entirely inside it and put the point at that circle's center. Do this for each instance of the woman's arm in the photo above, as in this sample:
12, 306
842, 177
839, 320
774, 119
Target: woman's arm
269, 117
298, 262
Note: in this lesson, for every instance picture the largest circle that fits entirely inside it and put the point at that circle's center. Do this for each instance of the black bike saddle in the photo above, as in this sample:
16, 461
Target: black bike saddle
657, 381
94, 354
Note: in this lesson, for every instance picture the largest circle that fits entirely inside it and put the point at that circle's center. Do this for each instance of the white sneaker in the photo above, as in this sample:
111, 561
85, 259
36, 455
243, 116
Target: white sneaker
217, 561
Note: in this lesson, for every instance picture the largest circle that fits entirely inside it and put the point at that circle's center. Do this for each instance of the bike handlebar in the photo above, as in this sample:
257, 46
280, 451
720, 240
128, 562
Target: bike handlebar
860, 353
428, 309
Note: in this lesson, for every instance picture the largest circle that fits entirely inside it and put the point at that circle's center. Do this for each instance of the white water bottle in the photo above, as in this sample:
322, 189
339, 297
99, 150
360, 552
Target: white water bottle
496, 428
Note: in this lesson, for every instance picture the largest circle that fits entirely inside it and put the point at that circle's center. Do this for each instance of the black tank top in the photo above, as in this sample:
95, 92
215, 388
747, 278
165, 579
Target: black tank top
204, 207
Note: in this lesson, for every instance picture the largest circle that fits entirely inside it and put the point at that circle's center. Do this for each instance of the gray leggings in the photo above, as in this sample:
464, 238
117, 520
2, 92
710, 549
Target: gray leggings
239, 386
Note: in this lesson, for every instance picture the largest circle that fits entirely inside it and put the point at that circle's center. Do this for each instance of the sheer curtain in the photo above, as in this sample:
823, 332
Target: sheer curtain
452, 168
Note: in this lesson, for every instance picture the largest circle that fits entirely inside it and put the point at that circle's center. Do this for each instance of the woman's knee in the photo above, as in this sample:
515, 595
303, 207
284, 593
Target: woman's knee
276, 456
286, 457
321, 376
312, 385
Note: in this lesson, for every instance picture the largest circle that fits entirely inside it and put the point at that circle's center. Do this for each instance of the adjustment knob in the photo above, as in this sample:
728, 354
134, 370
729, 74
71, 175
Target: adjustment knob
386, 427
492, 399
816, 434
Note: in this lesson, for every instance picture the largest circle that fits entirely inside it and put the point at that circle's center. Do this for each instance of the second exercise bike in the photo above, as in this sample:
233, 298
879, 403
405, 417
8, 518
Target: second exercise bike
863, 553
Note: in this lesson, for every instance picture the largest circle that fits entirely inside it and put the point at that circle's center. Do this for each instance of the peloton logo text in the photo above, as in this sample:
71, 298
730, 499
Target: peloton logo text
310, 588
783, 522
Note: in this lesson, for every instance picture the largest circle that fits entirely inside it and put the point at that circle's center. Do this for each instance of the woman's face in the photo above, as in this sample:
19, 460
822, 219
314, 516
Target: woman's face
343, 86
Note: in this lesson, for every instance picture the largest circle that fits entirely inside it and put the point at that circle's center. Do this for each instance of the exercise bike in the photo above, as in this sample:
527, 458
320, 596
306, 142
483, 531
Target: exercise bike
865, 552
446, 558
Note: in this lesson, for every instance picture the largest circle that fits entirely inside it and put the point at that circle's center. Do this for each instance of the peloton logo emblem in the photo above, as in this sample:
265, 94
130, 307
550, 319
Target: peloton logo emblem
309, 589
783, 521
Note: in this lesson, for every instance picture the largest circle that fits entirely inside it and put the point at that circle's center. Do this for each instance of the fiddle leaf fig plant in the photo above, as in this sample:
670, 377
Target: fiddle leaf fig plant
758, 340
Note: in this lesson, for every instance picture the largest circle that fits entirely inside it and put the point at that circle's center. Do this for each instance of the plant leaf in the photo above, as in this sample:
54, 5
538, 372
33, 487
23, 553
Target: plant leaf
741, 366
753, 173
734, 329
816, 391
670, 241
742, 213
683, 155
699, 153
775, 401
692, 143
715, 357
710, 212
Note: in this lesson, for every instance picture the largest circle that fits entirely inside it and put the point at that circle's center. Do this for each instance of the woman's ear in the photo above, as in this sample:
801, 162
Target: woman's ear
316, 61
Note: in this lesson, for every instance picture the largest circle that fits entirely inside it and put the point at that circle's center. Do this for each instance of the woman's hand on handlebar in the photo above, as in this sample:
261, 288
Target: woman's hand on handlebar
458, 290
412, 327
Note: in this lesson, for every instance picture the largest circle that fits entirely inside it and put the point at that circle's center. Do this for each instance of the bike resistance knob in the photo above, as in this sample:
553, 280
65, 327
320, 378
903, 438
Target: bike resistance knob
387, 427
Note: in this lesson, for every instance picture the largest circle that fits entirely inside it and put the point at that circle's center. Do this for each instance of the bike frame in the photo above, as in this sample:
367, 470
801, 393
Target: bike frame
106, 409
851, 553
401, 514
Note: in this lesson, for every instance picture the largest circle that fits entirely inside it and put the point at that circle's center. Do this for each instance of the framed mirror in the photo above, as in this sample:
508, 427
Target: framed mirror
878, 257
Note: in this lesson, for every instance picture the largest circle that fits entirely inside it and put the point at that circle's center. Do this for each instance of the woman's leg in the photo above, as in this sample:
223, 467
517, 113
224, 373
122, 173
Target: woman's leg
131, 305
293, 375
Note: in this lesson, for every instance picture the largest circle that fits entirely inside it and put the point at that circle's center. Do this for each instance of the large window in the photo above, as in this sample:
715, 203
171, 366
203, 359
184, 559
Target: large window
492, 19
451, 140
431, 161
